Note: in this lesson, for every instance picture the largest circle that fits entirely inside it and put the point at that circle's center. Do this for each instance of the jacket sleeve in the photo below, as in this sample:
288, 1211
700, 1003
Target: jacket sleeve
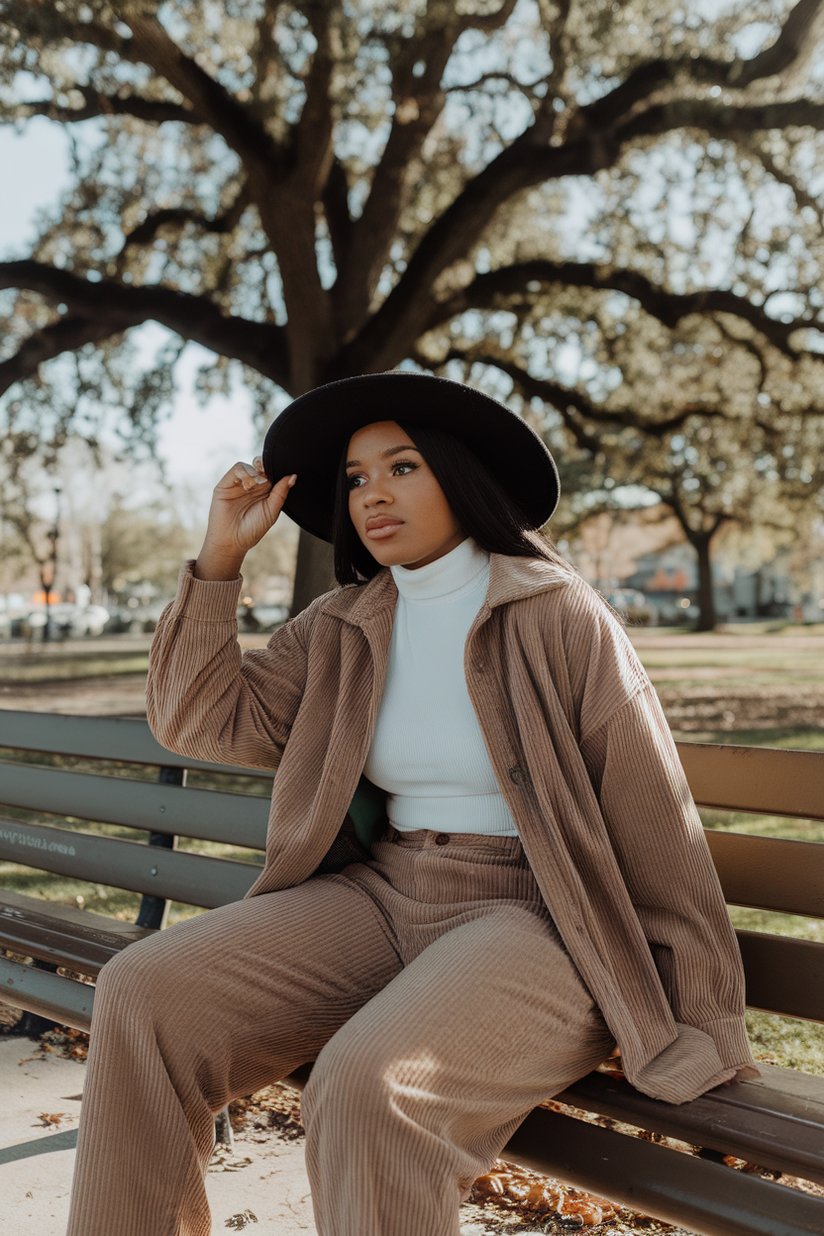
204, 698
660, 846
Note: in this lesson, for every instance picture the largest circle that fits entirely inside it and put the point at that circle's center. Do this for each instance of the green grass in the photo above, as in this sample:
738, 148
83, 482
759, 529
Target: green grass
794, 738
776, 659
786, 1041
66, 671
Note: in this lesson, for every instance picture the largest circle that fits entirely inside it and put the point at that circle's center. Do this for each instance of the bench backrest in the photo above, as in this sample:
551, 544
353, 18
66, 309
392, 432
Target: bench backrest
784, 975
167, 808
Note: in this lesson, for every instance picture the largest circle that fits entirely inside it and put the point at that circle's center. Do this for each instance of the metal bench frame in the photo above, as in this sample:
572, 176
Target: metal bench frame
776, 1122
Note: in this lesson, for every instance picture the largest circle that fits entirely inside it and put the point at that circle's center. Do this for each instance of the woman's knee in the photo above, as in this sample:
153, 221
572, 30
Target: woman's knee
354, 1076
139, 982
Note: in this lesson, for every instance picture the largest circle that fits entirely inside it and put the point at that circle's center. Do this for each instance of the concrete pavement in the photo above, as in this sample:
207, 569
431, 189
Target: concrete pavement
261, 1176
259, 1184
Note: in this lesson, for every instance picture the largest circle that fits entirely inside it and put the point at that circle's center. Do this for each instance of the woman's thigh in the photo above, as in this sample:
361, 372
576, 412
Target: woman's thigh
488, 1021
254, 988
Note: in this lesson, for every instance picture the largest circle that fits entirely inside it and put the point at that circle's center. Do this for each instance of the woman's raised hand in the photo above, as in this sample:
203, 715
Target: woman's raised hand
243, 510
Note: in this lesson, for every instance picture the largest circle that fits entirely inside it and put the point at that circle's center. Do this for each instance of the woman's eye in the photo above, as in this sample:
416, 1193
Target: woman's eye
353, 482
407, 466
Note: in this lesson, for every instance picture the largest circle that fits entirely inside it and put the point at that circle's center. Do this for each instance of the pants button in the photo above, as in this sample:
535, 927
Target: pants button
442, 839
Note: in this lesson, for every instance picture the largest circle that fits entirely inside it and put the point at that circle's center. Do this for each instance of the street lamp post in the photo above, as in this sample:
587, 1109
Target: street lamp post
50, 575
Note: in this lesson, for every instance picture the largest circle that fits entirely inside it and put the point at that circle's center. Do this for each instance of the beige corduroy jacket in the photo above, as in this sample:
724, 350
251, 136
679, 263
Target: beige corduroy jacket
580, 748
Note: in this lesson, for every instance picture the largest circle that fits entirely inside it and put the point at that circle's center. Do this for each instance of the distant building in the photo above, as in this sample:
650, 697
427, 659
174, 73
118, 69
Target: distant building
645, 552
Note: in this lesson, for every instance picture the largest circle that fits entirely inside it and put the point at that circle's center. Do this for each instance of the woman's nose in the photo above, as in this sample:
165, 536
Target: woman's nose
376, 491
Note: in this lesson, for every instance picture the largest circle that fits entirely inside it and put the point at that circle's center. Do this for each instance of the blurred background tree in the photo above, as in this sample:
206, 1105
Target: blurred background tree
609, 213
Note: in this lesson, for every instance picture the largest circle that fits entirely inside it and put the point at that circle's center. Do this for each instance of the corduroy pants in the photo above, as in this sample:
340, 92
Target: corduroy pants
429, 985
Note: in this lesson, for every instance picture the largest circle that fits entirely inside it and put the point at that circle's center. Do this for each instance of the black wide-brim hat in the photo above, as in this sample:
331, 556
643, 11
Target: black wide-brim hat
310, 434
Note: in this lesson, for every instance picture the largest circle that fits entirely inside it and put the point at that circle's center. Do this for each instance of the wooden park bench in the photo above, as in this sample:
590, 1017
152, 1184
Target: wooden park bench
775, 1122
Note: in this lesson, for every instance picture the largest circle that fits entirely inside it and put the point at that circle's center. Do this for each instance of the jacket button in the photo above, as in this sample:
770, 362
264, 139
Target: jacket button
515, 775
442, 839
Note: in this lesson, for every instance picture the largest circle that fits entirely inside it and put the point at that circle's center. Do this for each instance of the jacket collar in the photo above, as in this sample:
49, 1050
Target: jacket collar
510, 579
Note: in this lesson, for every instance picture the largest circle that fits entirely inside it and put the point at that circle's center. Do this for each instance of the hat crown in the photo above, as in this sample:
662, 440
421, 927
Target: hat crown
309, 436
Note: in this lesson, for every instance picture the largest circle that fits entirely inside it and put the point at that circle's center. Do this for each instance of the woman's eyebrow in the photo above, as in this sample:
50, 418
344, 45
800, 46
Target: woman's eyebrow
392, 450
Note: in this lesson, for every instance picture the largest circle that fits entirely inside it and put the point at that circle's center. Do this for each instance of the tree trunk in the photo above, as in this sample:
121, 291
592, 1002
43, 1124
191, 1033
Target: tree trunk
314, 573
707, 619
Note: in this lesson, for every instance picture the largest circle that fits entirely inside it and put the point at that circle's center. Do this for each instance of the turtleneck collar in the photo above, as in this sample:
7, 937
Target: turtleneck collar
447, 578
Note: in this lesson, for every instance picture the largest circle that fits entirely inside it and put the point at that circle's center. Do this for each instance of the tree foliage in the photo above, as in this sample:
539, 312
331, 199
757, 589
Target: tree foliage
608, 211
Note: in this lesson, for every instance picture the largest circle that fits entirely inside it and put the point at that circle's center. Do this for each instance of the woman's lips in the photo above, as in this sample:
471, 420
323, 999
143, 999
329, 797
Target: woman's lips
385, 528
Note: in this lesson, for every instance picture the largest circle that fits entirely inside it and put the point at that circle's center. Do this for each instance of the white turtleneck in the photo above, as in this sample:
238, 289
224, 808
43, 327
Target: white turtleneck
428, 752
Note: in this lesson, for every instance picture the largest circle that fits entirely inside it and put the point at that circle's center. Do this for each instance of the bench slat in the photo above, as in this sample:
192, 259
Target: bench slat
758, 779
706, 1197
210, 815
105, 738
784, 975
774, 1120
63, 935
170, 874
49, 995
769, 873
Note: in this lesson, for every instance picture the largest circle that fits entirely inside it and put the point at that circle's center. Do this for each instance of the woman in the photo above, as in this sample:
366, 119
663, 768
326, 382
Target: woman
541, 890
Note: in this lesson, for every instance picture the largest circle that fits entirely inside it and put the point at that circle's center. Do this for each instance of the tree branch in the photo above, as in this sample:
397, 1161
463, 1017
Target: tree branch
69, 334
311, 149
389, 334
594, 142
217, 106
48, 25
797, 39
799, 192
724, 121
485, 291
110, 308
489, 22
336, 209
221, 225
153, 111
284, 195
563, 398
509, 78
419, 101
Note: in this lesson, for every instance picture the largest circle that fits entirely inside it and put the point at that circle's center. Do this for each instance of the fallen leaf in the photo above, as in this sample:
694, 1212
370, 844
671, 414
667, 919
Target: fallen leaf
526, 1193
221, 1161
240, 1221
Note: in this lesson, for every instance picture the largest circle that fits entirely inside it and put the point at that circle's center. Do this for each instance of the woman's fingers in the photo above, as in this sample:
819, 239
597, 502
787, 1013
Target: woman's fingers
282, 487
245, 476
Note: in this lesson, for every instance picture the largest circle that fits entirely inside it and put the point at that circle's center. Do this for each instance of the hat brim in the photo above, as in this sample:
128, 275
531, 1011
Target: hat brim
309, 436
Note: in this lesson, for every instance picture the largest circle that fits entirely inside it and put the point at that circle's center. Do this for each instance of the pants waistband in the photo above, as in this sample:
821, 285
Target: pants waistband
426, 838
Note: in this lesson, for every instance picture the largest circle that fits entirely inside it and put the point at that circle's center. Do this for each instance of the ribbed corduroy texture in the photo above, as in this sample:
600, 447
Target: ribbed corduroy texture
431, 986
579, 747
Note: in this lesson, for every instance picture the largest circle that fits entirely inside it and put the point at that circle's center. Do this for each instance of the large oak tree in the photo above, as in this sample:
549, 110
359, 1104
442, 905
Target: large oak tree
489, 188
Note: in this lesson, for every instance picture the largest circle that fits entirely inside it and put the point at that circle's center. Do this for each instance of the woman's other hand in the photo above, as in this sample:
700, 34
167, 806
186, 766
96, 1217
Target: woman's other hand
243, 510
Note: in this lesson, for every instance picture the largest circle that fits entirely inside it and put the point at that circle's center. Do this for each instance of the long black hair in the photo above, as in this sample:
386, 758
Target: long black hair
481, 505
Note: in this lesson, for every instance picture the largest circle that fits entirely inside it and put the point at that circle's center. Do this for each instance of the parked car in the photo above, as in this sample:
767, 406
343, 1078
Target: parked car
68, 619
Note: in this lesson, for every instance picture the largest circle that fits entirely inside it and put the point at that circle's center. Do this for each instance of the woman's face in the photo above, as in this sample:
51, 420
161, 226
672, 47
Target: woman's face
398, 508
